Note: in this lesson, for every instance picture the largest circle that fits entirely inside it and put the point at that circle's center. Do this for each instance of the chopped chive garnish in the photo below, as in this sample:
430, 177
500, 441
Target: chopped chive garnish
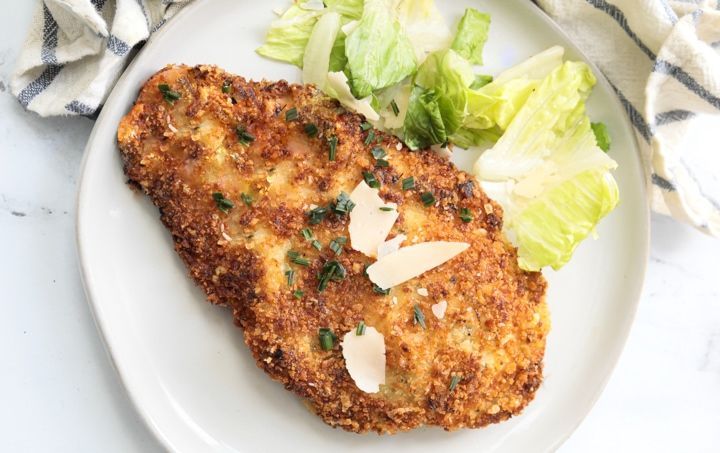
307, 234
427, 198
336, 245
382, 163
370, 137
371, 180
246, 198
419, 316
332, 270
298, 293
408, 183
290, 276
311, 130
343, 204
327, 338
317, 215
378, 153
226, 87
395, 108
465, 215
291, 114
244, 136
332, 145
379, 290
315, 243
360, 329
365, 126
454, 381
296, 258
169, 95
386, 208
222, 203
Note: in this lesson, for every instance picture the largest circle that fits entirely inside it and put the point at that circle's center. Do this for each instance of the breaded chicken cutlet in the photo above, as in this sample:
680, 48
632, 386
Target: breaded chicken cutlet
239, 169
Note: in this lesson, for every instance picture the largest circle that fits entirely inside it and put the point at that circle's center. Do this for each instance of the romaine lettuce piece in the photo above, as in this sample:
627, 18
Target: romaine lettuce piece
378, 51
471, 35
424, 26
449, 75
338, 60
288, 35
316, 61
338, 88
602, 135
480, 81
557, 181
351, 9
424, 124
497, 102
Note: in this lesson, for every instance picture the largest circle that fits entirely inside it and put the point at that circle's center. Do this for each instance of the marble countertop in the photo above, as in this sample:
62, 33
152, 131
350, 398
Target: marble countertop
59, 391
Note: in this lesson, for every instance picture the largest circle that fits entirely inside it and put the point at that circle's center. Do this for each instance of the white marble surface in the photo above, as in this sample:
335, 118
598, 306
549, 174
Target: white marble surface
59, 392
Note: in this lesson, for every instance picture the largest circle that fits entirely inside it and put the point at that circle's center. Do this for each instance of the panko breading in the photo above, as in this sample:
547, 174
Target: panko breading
211, 142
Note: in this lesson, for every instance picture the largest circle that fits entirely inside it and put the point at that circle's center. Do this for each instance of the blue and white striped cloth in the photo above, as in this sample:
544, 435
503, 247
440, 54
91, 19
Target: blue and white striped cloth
663, 59
76, 50
661, 56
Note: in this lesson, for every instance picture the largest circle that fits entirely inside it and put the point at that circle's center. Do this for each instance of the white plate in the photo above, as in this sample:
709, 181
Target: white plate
185, 365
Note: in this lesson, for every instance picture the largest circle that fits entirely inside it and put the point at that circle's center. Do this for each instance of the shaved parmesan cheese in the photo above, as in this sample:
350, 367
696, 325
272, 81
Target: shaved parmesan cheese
412, 261
423, 292
369, 226
365, 358
390, 246
439, 308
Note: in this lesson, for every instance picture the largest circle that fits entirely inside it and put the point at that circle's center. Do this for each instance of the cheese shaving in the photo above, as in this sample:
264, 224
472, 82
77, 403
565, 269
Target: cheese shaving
369, 225
390, 246
365, 358
412, 261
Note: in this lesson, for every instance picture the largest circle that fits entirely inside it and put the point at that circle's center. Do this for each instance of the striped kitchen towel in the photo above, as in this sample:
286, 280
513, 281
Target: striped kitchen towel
76, 50
661, 56
663, 59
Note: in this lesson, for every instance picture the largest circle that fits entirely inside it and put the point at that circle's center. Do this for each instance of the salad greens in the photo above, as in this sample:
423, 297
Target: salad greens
379, 53
553, 180
471, 35
398, 63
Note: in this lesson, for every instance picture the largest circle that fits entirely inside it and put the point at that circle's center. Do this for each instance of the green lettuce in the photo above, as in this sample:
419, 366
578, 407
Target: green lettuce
471, 35
288, 35
350, 9
316, 61
602, 136
424, 124
424, 26
378, 51
556, 181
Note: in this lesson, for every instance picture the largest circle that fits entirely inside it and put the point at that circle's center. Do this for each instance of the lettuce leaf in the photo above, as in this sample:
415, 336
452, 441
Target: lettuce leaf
602, 136
288, 35
450, 76
350, 9
316, 61
557, 181
496, 103
424, 124
338, 88
471, 35
379, 53
424, 26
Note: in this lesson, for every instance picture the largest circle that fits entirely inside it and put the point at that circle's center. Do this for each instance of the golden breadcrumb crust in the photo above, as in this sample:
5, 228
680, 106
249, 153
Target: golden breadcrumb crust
492, 337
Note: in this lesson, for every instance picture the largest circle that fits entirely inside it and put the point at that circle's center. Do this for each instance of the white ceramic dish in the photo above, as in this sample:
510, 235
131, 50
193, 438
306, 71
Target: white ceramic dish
185, 365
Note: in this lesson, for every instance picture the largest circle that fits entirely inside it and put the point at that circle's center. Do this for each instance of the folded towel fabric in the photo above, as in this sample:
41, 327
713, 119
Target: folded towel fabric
661, 56
76, 50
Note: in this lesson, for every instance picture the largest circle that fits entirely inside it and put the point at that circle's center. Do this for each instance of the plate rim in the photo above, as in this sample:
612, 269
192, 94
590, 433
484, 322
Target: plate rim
101, 322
